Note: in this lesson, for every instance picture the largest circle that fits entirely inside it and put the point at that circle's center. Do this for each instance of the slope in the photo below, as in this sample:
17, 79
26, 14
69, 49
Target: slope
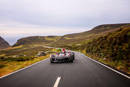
3, 43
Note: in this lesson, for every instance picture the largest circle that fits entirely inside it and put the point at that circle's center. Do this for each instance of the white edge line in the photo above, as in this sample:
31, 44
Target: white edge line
57, 82
22, 69
108, 67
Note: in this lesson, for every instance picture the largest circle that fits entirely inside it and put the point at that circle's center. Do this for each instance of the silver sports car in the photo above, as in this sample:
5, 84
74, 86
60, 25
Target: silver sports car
62, 57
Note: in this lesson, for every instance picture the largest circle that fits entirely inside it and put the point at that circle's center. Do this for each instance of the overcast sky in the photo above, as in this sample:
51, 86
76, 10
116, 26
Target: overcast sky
20, 18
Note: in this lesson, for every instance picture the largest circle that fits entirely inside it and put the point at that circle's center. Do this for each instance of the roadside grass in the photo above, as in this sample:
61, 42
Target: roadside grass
7, 67
26, 50
15, 58
120, 65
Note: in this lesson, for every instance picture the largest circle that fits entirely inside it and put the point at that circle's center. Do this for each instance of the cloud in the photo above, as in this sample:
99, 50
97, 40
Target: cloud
65, 12
46, 17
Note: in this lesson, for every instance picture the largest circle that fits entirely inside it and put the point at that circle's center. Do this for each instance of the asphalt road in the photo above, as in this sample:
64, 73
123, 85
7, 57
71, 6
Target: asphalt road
82, 73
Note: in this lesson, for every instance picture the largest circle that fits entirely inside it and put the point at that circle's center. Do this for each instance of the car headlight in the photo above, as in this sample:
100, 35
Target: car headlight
52, 56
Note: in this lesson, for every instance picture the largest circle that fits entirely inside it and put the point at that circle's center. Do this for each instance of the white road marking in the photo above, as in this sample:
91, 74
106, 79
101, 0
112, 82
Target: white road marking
21, 69
110, 68
57, 82
106, 66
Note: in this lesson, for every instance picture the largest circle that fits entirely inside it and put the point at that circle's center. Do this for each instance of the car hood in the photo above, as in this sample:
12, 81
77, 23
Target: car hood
62, 56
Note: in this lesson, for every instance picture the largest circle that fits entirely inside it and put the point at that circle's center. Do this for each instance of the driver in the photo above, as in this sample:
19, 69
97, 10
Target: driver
64, 51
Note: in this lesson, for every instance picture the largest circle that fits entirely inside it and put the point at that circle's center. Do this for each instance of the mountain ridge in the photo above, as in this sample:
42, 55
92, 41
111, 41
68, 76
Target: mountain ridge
73, 38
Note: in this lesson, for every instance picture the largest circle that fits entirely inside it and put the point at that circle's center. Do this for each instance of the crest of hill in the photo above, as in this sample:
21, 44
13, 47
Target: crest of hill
83, 36
99, 29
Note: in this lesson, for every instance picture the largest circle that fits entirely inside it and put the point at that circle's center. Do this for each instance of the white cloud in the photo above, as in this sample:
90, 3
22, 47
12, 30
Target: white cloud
64, 12
46, 17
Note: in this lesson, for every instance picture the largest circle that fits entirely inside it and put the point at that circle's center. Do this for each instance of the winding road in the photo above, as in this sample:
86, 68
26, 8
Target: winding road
82, 73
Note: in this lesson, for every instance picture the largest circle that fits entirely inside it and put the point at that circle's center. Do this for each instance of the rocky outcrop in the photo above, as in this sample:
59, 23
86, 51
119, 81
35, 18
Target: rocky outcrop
3, 44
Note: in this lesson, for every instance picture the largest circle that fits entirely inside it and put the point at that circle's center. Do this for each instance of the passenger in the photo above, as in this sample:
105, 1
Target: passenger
64, 51
58, 50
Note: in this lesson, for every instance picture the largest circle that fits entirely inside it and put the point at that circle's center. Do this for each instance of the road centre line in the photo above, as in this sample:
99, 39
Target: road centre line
57, 82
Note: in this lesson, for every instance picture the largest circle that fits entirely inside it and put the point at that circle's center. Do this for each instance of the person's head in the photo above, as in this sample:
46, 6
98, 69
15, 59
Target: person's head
58, 50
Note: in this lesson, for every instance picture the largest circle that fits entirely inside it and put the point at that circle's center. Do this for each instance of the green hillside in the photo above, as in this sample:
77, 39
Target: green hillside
14, 58
114, 45
84, 37
36, 40
70, 39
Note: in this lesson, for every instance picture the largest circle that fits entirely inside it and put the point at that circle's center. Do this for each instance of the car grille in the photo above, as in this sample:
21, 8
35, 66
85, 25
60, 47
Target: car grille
62, 59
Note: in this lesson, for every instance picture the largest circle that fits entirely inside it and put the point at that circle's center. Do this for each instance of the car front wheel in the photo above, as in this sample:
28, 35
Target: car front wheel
51, 61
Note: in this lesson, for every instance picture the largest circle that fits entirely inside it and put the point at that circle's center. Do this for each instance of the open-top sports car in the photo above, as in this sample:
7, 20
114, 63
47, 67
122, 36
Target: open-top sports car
62, 57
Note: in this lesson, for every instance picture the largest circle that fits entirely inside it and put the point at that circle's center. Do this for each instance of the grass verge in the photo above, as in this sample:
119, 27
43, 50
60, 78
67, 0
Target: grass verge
120, 65
7, 67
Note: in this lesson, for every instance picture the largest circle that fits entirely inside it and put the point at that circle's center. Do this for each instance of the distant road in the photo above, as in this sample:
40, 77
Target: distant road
82, 73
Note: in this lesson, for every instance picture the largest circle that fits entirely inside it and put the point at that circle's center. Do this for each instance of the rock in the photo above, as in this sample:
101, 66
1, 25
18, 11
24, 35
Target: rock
104, 58
3, 44
41, 53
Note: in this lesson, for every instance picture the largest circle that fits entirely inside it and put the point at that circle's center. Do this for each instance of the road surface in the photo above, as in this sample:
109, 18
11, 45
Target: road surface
82, 73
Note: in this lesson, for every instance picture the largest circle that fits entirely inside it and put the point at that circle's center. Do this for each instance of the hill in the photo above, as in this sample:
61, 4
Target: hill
84, 37
112, 49
3, 43
70, 39
36, 40
115, 45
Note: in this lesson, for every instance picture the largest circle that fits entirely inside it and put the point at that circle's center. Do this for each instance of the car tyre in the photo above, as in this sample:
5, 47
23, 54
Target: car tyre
51, 60
71, 61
